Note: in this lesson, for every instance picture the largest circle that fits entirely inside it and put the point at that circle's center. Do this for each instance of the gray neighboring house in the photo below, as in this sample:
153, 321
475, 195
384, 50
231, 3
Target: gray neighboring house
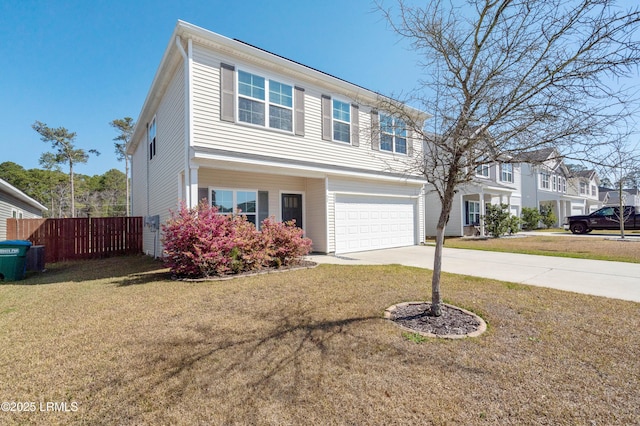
546, 181
16, 204
611, 197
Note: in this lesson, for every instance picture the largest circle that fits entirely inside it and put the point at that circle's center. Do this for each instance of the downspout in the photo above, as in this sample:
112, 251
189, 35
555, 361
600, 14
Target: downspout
188, 131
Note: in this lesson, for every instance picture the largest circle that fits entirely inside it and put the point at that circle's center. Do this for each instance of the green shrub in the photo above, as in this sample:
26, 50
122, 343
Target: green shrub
530, 218
496, 219
548, 218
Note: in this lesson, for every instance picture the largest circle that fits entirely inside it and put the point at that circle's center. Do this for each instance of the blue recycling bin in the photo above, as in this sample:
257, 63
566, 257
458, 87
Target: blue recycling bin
13, 254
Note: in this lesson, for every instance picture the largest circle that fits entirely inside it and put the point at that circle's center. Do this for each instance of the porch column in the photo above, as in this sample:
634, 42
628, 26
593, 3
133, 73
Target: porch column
192, 199
483, 211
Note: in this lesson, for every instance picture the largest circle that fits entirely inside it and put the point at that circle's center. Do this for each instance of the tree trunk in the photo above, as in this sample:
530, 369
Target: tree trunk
436, 298
621, 210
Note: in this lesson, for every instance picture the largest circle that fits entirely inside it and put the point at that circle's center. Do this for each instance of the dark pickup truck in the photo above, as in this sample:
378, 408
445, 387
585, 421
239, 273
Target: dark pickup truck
604, 218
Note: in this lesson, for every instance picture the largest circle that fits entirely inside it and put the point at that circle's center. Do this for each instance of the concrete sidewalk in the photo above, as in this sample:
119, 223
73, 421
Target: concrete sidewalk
618, 280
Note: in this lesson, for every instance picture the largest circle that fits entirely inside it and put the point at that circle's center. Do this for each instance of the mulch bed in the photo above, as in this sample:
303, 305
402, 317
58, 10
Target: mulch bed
454, 322
305, 264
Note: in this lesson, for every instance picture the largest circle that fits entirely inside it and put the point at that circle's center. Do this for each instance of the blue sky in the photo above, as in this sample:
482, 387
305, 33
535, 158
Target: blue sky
81, 64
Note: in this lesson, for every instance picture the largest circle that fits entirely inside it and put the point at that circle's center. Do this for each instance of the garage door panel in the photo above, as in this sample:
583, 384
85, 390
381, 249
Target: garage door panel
368, 223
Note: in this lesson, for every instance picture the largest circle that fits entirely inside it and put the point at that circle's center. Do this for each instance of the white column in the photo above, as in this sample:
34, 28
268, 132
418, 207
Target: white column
193, 187
483, 211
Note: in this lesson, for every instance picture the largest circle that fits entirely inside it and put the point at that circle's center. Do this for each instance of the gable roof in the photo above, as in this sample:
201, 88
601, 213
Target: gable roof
16, 193
538, 156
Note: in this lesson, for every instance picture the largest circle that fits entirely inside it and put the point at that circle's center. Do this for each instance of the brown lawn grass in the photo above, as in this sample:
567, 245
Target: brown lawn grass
580, 247
131, 346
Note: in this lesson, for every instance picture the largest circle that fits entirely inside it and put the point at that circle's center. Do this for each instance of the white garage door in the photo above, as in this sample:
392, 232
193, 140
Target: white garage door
369, 223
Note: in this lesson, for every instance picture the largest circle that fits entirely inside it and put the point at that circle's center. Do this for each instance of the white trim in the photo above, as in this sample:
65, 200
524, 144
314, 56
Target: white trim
301, 170
375, 194
266, 102
16, 193
333, 120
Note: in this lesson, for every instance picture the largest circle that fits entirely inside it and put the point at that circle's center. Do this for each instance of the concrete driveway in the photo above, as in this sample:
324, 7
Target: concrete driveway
618, 280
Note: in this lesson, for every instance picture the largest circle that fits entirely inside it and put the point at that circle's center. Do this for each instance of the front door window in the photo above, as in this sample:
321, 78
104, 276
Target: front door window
292, 208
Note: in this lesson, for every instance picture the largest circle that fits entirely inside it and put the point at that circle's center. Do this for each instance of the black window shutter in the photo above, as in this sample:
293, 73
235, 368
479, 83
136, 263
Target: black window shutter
263, 206
326, 118
410, 136
355, 125
227, 92
375, 131
299, 111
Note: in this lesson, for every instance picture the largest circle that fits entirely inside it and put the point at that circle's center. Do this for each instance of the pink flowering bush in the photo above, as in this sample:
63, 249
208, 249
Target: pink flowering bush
199, 242
285, 243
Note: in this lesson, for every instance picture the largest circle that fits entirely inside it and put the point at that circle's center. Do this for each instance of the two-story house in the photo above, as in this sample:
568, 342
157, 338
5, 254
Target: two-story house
253, 132
585, 184
547, 182
493, 183
15, 204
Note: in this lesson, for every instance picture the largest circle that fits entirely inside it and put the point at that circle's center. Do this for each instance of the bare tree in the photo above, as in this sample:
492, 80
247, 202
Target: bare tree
509, 76
620, 163
124, 126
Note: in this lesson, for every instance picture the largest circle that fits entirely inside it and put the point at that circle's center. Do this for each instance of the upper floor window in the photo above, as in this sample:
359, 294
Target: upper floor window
594, 190
264, 102
554, 182
562, 184
151, 136
583, 188
482, 170
506, 172
544, 181
393, 134
341, 121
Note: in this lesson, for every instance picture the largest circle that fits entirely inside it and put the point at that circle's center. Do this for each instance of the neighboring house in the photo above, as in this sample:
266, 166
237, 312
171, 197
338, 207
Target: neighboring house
611, 197
251, 131
15, 204
585, 184
497, 183
547, 182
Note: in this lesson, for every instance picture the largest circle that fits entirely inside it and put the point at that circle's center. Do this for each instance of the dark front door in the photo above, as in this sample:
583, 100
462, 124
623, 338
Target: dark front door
292, 208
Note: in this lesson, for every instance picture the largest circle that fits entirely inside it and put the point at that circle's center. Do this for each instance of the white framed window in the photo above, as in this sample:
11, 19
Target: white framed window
341, 114
506, 172
562, 184
151, 138
482, 170
545, 180
554, 183
472, 215
594, 191
236, 201
583, 188
393, 134
264, 102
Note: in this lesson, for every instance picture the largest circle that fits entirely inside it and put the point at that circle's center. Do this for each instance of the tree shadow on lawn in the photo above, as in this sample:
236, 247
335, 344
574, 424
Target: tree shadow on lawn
240, 369
126, 270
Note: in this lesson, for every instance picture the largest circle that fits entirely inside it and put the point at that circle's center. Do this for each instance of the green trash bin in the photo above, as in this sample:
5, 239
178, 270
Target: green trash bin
13, 254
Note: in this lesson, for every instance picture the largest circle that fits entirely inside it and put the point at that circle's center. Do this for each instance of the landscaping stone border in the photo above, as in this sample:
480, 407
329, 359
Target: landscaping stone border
482, 327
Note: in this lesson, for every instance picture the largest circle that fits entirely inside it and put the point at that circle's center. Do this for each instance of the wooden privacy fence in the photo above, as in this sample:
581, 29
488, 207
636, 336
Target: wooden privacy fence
80, 238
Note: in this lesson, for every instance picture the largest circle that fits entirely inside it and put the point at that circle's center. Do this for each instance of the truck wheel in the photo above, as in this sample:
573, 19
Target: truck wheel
578, 228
